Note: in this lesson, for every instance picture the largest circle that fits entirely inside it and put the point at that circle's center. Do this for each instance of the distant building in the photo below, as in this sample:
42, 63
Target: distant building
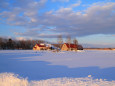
80, 47
71, 47
43, 46
40, 47
113, 49
68, 47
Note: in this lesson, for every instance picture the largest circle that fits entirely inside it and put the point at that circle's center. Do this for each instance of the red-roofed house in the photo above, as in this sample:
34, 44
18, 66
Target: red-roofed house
40, 47
67, 47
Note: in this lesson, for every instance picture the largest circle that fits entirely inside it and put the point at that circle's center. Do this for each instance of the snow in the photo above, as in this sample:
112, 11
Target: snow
102, 59
48, 68
10, 79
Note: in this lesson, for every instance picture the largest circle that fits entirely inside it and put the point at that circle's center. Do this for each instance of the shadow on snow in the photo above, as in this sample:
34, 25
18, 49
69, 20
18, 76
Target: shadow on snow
40, 70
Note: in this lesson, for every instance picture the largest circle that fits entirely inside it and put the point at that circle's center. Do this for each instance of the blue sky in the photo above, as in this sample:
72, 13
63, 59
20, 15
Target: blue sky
92, 22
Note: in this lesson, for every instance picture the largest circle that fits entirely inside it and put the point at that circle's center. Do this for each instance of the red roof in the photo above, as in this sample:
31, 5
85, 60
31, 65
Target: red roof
71, 45
41, 45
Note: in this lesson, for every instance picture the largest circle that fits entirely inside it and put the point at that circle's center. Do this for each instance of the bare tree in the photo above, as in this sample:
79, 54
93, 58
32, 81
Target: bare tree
75, 42
69, 40
60, 40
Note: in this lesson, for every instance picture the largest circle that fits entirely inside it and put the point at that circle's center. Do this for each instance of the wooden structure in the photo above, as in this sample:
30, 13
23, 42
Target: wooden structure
69, 47
40, 47
80, 47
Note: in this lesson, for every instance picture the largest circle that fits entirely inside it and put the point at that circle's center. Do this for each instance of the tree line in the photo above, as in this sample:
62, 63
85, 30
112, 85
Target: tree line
29, 44
18, 44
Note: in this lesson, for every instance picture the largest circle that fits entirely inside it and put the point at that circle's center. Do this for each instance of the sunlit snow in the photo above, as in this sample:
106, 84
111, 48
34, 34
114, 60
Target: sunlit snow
65, 68
10, 79
102, 59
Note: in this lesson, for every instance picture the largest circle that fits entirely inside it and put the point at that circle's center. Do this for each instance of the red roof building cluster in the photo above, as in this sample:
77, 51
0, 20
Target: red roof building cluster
71, 45
41, 45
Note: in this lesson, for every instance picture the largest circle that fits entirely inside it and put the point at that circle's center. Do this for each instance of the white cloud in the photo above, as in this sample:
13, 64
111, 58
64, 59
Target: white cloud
97, 19
76, 4
35, 34
20, 38
22, 13
60, 0
64, 11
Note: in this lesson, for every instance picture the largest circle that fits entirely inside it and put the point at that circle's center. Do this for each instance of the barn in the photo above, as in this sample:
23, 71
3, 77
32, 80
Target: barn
69, 47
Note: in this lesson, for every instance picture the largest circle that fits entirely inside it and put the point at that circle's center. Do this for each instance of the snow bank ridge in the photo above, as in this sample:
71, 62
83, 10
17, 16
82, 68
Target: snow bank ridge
11, 79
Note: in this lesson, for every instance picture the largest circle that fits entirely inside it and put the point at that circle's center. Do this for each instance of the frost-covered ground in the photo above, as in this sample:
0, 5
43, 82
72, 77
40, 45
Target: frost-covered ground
47, 68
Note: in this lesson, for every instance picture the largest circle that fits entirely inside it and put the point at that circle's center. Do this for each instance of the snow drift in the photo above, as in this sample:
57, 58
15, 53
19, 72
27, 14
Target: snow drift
11, 79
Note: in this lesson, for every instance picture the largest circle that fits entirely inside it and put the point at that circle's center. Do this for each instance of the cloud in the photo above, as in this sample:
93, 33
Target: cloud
22, 12
76, 4
35, 33
60, 0
99, 18
20, 38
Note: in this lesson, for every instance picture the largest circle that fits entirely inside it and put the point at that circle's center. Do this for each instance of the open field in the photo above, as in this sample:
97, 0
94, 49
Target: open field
99, 48
46, 68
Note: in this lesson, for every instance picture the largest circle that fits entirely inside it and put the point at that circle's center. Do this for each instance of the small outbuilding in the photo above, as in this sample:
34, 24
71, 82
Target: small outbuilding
80, 47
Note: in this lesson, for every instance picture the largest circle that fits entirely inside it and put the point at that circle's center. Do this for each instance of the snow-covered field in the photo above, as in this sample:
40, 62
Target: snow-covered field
10, 79
46, 68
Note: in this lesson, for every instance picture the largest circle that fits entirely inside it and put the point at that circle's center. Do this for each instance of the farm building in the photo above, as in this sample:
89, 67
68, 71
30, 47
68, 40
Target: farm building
43, 47
71, 47
67, 47
80, 47
40, 47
